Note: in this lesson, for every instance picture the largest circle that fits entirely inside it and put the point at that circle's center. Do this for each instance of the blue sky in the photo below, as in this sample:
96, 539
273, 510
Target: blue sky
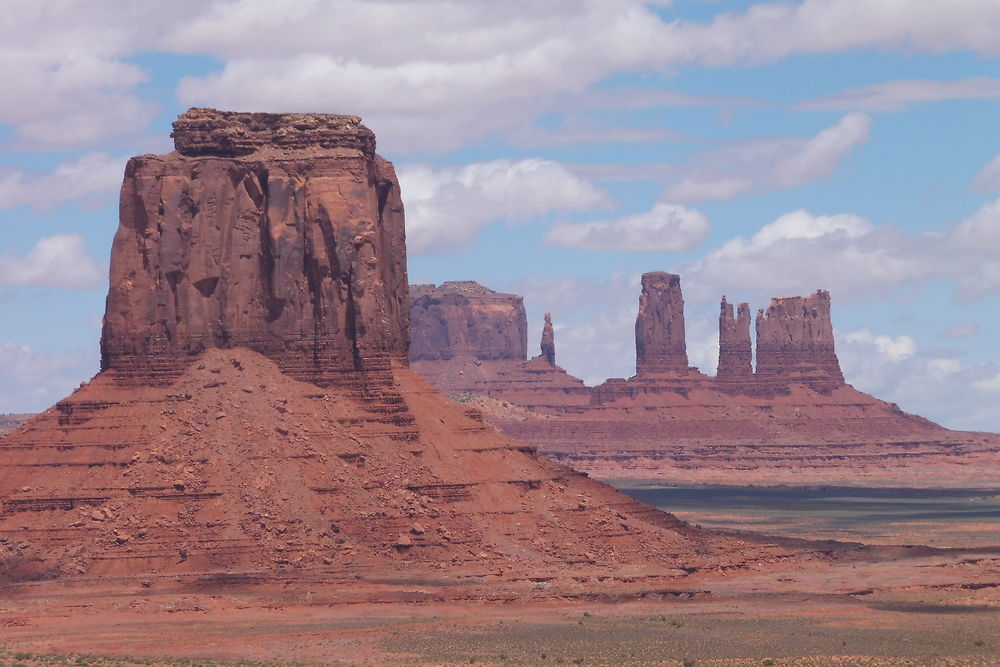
558, 150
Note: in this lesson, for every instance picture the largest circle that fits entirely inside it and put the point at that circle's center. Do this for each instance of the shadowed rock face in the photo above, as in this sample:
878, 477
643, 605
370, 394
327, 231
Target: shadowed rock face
795, 342
282, 233
465, 319
549, 340
659, 327
735, 351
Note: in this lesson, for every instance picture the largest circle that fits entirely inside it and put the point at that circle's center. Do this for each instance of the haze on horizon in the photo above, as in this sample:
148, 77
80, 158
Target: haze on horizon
558, 150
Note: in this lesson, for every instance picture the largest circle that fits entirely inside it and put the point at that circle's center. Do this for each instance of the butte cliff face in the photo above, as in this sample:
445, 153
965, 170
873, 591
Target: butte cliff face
465, 319
281, 233
660, 345
795, 343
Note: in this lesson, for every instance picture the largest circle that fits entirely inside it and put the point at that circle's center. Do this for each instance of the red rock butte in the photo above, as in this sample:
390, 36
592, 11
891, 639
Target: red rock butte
278, 233
791, 419
255, 416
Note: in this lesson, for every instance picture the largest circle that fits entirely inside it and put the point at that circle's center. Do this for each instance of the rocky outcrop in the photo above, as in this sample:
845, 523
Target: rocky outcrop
549, 340
263, 258
795, 343
281, 233
735, 350
466, 319
659, 328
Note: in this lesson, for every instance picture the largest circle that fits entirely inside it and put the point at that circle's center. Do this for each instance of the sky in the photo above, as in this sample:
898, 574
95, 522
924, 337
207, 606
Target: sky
557, 150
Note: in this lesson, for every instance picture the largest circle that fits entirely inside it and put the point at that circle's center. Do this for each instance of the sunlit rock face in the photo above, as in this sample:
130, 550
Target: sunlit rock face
281, 233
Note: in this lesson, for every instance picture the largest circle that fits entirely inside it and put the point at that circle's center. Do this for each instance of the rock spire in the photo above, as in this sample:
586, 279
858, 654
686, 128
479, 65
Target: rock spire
659, 328
735, 351
549, 340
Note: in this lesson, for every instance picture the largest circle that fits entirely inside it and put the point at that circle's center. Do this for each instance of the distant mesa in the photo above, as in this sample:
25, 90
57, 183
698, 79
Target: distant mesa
465, 319
790, 419
794, 337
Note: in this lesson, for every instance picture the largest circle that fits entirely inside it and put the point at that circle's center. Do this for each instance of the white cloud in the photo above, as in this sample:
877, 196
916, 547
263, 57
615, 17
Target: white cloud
90, 176
893, 349
901, 95
55, 261
32, 380
763, 165
433, 75
428, 74
665, 228
988, 179
446, 207
800, 252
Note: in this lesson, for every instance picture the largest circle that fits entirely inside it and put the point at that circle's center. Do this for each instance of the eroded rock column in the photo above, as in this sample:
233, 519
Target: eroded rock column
659, 328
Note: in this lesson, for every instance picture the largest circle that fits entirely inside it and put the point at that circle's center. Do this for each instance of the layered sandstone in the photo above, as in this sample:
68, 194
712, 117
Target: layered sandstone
660, 346
255, 419
465, 319
735, 351
281, 233
795, 343
548, 340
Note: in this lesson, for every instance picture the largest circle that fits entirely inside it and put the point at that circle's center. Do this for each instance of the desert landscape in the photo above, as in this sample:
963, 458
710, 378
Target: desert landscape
258, 475
647, 332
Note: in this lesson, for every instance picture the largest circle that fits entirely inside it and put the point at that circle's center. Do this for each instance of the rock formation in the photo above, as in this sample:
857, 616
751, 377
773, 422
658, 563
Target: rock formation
794, 419
264, 258
659, 328
281, 233
549, 340
465, 319
795, 343
735, 351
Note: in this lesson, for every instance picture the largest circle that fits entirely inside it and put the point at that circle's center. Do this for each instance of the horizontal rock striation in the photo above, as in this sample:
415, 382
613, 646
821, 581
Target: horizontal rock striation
795, 343
281, 233
465, 319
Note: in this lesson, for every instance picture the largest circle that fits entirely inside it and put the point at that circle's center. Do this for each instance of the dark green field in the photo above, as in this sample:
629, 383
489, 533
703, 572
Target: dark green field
936, 517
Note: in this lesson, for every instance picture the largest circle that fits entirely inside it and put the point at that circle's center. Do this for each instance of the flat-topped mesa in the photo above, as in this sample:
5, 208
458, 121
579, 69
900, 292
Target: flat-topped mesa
735, 350
466, 319
659, 328
204, 132
281, 233
549, 340
795, 342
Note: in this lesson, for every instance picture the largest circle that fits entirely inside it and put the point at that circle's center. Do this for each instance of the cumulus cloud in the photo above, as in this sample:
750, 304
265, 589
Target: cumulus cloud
901, 95
432, 75
801, 251
446, 207
427, 74
55, 261
894, 349
32, 380
90, 176
988, 179
665, 228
